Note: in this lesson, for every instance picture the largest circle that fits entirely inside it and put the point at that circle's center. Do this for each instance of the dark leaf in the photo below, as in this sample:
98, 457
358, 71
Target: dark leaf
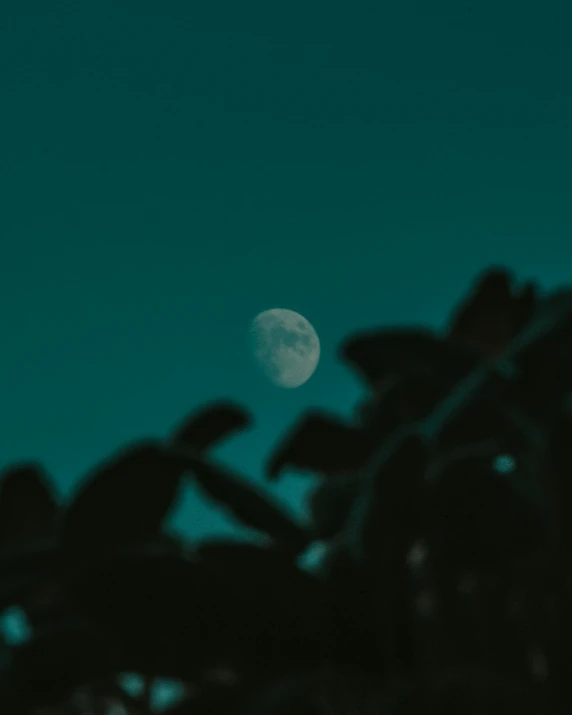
27, 504
403, 400
206, 427
524, 307
331, 504
483, 514
321, 444
379, 355
248, 504
481, 387
388, 495
125, 500
548, 335
385, 520
486, 319
25, 572
511, 429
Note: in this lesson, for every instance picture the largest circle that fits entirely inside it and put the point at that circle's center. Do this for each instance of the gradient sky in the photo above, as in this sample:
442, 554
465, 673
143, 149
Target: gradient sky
169, 169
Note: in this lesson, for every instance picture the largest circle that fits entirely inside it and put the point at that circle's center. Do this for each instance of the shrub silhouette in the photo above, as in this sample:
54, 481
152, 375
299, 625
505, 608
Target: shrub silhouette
445, 585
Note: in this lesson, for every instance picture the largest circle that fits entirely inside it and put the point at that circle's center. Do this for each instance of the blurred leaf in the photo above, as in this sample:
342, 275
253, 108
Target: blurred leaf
511, 429
524, 306
25, 571
250, 506
547, 340
321, 444
401, 401
485, 516
209, 425
477, 391
27, 504
492, 315
125, 500
331, 504
379, 355
384, 522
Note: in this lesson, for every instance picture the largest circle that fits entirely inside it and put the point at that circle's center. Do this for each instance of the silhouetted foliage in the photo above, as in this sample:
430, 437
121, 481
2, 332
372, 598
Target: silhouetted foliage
27, 505
444, 509
205, 428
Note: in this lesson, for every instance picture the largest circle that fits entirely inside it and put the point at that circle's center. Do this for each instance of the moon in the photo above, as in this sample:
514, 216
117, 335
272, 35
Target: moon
285, 346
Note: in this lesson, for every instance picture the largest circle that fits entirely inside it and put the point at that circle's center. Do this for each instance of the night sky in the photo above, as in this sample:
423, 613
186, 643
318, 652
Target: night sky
170, 169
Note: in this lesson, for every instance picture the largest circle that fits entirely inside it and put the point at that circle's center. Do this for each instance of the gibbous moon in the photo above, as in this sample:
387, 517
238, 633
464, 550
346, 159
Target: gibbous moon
286, 346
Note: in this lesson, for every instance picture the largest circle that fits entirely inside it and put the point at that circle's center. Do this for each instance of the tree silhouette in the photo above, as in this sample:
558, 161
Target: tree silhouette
445, 510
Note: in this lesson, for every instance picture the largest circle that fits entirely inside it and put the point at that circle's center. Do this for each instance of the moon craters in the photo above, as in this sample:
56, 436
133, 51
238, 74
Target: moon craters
286, 346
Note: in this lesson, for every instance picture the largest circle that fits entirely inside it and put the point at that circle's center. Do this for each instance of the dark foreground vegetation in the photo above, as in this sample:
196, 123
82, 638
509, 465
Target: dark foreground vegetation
445, 507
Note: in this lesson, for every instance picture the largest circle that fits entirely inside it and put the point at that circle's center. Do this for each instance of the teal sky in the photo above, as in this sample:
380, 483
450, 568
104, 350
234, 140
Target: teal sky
169, 169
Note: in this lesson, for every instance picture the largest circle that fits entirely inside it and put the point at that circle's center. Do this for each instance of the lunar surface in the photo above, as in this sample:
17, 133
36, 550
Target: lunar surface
285, 346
